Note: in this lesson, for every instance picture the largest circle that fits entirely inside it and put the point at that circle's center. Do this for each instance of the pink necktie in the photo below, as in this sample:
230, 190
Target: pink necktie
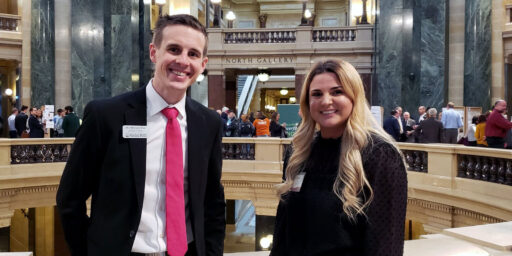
174, 197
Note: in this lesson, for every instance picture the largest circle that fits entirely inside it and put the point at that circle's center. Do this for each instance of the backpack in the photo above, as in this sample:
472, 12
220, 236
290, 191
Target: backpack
245, 128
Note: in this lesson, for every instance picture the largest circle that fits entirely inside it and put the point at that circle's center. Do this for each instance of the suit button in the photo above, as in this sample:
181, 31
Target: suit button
132, 234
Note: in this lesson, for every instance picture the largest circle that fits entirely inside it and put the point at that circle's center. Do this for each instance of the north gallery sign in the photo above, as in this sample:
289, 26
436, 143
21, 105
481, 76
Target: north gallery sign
259, 60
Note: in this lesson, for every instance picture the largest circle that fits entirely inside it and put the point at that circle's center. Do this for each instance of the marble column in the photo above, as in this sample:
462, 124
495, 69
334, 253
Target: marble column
216, 91
367, 83
62, 53
110, 54
411, 54
477, 54
43, 53
388, 91
87, 53
433, 80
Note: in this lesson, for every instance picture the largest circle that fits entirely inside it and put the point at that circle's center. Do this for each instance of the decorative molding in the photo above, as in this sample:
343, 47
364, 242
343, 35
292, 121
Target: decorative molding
476, 215
28, 190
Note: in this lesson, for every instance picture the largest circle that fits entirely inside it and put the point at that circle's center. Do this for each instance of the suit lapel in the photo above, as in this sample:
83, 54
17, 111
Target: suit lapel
195, 133
136, 115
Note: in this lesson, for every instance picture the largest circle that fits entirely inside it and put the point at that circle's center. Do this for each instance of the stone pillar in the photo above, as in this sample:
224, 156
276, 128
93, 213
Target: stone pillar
26, 16
477, 54
42, 65
216, 91
299, 80
44, 231
231, 94
62, 54
456, 52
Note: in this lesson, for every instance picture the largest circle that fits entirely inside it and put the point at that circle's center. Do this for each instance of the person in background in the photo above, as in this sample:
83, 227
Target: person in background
58, 120
430, 130
452, 121
21, 122
70, 123
276, 129
12, 123
345, 187
480, 131
391, 125
251, 117
497, 126
471, 132
35, 127
409, 127
262, 125
232, 125
246, 131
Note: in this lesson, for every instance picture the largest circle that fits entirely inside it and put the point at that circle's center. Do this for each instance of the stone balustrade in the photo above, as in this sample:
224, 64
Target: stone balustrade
10, 22
231, 43
458, 185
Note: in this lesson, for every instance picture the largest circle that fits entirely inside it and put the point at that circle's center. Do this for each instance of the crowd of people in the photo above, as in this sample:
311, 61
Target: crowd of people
25, 123
252, 125
491, 129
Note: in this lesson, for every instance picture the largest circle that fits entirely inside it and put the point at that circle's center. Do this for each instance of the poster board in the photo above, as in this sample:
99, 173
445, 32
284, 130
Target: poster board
289, 114
378, 114
47, 117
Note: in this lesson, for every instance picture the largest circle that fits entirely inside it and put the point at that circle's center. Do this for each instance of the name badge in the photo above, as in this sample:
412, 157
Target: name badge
297, 182
134, 132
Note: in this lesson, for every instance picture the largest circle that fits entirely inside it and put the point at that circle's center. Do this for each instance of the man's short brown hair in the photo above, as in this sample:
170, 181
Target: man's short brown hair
178, 19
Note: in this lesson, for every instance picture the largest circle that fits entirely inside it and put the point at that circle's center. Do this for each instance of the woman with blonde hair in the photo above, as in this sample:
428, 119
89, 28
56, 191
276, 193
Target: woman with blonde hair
345, 188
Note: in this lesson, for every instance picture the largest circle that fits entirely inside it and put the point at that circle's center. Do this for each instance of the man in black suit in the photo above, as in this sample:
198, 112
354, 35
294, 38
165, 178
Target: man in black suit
20, 122
430, 130
391, 125
119, 158
36, 129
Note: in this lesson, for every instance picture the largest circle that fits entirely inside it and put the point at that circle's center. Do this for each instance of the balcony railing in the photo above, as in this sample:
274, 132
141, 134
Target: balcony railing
476, 179
10, 22
290, 35
334, 34
259, 36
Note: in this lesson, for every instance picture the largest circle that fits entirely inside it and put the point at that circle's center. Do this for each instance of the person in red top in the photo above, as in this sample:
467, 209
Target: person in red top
497, 126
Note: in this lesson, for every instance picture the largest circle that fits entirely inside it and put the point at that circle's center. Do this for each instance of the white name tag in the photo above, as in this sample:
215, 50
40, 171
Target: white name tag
297, 182
134, 132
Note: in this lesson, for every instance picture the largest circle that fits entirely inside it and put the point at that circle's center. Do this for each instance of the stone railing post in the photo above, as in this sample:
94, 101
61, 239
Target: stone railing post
304, 37
215, 40
364, 33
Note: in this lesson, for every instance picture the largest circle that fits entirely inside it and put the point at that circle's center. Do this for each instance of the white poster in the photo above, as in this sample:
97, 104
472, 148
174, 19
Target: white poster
48, 116
377, 114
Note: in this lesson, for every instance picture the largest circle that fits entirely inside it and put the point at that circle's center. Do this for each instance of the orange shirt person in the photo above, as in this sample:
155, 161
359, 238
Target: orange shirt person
262, 124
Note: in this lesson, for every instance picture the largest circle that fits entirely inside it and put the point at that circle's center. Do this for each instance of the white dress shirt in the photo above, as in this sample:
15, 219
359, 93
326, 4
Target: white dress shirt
151, 235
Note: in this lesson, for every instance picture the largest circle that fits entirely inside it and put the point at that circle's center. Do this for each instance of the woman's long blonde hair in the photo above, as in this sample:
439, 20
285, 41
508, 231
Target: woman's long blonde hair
351, 180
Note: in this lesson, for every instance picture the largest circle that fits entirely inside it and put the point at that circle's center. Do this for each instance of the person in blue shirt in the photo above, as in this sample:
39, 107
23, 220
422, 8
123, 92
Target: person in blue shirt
452, 121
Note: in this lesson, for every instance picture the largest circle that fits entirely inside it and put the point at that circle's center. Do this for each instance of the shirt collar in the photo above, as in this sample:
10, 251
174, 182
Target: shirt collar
155, 102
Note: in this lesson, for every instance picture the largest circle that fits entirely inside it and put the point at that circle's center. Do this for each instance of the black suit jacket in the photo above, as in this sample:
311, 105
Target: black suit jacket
20, 122
429, 131
112, 170
392, 127
36, 128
